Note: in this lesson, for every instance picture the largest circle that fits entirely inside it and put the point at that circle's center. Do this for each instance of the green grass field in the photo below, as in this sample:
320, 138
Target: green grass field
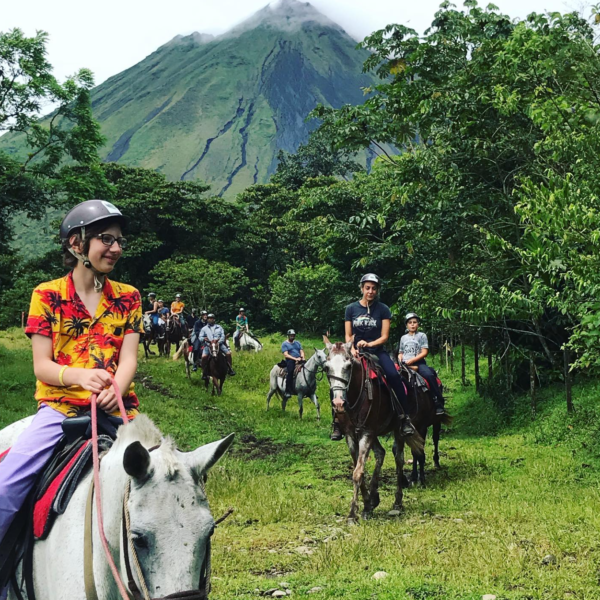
509, 494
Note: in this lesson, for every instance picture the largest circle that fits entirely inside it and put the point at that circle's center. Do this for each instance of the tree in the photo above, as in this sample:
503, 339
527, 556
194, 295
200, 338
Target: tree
210, 285
308, 298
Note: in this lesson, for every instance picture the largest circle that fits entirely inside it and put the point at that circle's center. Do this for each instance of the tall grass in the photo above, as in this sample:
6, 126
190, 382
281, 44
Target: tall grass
509, 494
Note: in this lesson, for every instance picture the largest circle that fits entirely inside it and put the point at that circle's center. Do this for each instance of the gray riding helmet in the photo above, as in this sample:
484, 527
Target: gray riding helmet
410, 316
88, 212
370, 277
291, 332
211, 316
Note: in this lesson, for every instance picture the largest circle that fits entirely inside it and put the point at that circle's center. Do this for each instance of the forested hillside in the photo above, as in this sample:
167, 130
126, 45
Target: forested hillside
221, 109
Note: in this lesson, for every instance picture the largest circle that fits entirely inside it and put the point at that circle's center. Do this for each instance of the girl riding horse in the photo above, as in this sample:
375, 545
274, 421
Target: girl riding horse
368, 328
84, 331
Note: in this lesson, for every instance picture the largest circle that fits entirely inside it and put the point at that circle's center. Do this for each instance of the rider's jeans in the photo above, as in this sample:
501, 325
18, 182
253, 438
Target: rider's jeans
24, 462
289, 380
428, 374
391, 374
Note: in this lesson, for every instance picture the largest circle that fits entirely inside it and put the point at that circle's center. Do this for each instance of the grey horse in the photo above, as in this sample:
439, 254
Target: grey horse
305, 383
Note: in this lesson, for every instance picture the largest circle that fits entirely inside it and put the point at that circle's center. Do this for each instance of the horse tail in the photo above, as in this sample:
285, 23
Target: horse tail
182, 347
416, 443
446, 419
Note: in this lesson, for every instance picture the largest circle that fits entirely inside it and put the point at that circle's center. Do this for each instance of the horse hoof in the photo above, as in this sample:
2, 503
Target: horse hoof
397, 508
367, 514
374, 500
352, 521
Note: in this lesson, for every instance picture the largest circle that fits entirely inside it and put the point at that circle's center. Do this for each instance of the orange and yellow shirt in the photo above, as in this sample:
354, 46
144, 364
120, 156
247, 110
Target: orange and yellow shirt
78, 340
177, 307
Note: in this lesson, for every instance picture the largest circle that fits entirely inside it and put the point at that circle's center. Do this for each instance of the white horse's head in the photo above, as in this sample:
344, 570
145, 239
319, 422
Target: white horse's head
147, 320
320, 357
338, 367
171, 523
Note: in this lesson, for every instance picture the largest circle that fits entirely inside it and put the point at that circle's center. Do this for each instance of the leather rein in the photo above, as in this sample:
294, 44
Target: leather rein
129, 552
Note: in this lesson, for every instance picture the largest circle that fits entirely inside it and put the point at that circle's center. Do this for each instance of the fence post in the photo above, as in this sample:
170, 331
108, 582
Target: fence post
532, 384
451, 354
476, 355
463, 372
490, 363
568, 393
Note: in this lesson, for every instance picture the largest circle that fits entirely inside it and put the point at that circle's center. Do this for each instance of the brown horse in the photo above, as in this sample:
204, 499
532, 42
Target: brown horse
176, 330
215, 367
422, 414
365, 410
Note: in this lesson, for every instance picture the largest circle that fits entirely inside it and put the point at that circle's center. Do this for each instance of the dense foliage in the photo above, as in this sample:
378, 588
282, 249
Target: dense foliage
485, 221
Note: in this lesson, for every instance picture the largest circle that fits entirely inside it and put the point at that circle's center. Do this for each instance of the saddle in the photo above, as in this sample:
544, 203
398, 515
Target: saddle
54, 488
283, 368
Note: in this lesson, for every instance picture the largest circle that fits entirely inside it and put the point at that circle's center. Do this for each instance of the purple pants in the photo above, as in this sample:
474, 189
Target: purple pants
25, 461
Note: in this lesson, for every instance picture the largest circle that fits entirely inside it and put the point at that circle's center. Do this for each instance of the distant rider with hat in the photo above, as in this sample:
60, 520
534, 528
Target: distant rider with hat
241, 325
412, 351
213, 331
177, 308
293, 354
153, 312
367, 323
197, 339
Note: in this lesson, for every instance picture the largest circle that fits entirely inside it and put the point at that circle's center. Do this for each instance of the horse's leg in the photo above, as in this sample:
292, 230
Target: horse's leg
421, 458
353, 447
400, 479
315, 400
300, 403
379, 452
358, 477
269, 396
437, 428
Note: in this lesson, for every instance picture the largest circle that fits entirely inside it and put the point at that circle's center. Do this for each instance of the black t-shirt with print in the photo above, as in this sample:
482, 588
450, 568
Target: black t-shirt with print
366, 325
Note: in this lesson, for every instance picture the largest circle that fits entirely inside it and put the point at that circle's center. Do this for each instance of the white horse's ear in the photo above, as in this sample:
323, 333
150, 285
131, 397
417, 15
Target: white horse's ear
348, 345
205, 457
327, 343
136, 461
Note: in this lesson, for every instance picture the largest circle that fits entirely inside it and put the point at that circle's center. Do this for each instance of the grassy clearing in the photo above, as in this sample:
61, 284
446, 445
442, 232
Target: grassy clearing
499, 505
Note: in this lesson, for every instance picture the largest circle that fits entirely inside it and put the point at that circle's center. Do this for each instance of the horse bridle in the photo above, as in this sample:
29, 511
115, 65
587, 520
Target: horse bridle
128, 547
130, 555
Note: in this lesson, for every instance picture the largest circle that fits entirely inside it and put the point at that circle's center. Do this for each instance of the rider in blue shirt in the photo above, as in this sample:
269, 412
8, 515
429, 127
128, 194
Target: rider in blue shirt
293, 354
210, 332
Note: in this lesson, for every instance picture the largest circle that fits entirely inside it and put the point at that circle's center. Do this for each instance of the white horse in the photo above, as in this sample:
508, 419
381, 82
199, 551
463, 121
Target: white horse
247, 342
305, 383
171, 523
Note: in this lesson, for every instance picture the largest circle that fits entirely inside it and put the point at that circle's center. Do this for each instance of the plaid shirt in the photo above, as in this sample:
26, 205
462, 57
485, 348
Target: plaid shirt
78, 340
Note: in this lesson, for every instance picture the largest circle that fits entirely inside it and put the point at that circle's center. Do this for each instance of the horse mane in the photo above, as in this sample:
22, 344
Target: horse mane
142, 429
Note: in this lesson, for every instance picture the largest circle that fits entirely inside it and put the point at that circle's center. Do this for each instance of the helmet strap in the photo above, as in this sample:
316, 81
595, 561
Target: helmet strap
99, 277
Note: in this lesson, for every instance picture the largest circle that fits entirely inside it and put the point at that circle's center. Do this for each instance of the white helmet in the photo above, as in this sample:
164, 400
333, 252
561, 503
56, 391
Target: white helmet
291, 332
410, 316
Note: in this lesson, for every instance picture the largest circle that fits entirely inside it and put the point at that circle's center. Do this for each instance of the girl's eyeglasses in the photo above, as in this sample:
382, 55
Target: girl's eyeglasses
109, 240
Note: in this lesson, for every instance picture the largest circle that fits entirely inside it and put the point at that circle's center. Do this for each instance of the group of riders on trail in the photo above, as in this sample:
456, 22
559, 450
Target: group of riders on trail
85, 330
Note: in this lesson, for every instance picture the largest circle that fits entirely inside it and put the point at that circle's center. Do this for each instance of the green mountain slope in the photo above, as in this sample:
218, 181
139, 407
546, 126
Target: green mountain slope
219, 109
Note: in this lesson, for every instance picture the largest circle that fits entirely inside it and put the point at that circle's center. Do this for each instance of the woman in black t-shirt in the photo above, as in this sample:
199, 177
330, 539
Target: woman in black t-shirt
368, 321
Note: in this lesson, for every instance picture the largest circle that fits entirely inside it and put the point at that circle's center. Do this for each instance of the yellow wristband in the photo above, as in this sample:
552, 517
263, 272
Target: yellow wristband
60, 375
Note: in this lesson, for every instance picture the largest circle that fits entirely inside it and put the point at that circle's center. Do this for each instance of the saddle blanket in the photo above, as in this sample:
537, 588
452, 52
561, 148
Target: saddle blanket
373, 374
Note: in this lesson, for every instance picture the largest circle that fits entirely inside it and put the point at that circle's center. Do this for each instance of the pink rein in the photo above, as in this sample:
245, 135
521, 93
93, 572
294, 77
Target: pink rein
96, 459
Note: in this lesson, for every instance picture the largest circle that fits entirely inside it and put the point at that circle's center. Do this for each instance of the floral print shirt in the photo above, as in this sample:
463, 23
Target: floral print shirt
80, 340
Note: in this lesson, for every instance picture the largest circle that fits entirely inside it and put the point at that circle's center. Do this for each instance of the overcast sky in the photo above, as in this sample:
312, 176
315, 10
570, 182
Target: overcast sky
110, 36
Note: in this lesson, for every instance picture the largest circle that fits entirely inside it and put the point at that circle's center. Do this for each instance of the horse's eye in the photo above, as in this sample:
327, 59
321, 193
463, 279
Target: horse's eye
140, 541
